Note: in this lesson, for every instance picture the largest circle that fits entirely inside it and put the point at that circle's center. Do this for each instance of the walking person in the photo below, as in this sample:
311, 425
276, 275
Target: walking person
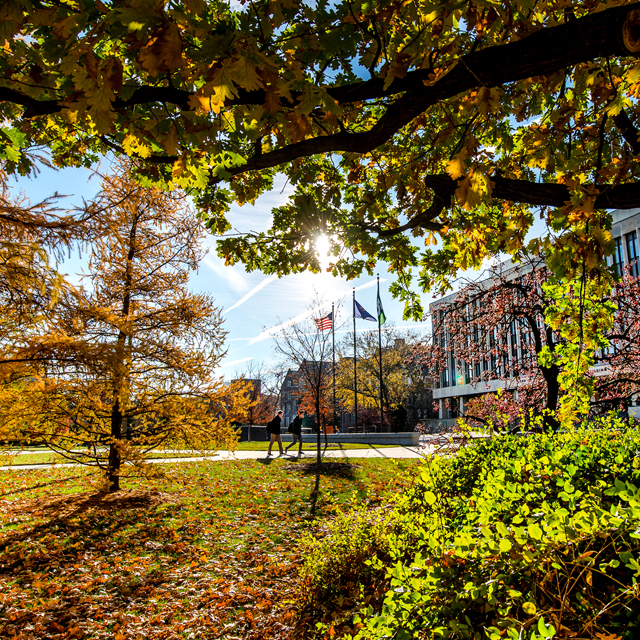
273, 429
295, 429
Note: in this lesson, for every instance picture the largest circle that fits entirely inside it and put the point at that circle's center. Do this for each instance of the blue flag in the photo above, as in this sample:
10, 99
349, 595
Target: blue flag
360, 312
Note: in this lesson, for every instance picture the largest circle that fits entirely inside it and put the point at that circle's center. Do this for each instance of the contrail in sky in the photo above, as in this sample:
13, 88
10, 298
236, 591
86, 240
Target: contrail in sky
230, 364
255, 289
268, 333
234, 278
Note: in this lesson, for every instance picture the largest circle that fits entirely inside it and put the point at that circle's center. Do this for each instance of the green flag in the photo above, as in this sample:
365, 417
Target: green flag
381, 317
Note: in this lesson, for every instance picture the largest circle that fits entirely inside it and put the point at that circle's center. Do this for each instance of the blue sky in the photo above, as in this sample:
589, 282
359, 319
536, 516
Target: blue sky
254, 305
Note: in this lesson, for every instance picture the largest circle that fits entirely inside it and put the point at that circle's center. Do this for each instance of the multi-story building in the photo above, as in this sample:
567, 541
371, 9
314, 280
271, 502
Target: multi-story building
458, 382
290, 394
294, 386
626, 231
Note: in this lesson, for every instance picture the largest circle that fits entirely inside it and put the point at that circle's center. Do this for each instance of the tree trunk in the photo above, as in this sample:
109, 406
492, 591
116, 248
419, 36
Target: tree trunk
115, 459
120, 370
550, 375
319, 456
553, 392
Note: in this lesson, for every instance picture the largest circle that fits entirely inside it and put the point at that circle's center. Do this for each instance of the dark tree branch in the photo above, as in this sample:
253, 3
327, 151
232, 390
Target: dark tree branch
623, 196
607, 33
629, 132
424, 220
542, 53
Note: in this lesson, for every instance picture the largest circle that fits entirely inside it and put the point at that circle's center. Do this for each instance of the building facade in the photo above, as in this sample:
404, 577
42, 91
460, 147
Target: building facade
290, 394
458, 382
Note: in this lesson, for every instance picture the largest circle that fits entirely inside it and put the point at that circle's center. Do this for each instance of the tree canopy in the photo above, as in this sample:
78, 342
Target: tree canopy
401, 379
124, 362
399, 123
506, 327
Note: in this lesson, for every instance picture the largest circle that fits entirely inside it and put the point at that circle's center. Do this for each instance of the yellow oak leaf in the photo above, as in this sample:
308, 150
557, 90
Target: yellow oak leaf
200, 102
455, 166
103, 120
163, 52
213, 94
308, 100
100, 96
244, 74
473, 190
171, 141
134, 146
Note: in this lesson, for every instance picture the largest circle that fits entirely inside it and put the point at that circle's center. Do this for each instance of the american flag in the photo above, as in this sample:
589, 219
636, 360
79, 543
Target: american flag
325, 323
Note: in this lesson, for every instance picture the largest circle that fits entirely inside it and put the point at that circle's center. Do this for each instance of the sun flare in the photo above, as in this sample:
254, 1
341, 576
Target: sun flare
323, 247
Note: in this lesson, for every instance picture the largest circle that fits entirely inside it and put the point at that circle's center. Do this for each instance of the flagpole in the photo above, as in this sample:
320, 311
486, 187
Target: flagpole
333, 336
355, 371
380, 358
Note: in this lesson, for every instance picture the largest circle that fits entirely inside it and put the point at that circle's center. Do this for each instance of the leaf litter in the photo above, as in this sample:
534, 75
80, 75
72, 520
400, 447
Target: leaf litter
210, 551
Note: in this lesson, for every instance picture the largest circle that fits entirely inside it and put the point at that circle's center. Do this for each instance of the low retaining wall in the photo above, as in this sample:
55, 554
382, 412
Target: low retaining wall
407, 438
438, 425
258, 433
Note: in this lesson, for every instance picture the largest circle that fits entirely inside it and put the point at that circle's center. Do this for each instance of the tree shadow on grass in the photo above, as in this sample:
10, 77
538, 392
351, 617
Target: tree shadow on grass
61, 509
39, 486
345, 470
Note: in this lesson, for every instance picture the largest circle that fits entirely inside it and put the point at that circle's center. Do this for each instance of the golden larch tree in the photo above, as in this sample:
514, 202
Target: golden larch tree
135, 350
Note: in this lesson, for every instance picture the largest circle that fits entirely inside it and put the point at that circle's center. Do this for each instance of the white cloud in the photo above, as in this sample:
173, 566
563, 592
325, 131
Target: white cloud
234, 362
368, 285
253, 291
235, 279
268, 333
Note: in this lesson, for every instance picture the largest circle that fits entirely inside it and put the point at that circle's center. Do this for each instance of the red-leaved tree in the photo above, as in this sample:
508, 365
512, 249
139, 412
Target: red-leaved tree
498, 328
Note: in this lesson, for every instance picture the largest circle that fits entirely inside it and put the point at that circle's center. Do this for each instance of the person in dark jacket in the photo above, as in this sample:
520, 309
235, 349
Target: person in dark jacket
295, 428
273, 429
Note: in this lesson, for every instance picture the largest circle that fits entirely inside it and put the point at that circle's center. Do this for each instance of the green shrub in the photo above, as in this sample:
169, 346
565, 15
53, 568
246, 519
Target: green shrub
515, 537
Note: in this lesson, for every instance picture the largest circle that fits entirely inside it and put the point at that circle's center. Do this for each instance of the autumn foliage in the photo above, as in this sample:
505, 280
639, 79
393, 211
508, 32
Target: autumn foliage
450, 122
516, 327
130, 352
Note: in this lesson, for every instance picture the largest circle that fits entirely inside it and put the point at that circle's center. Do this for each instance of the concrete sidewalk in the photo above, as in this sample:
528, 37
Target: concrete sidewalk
223, 456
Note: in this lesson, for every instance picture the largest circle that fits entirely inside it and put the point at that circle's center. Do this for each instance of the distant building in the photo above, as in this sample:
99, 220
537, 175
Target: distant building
625, 230
293, 387
290, 394
457, 382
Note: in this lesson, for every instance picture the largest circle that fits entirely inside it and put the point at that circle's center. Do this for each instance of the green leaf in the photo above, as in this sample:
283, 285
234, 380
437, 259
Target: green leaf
535, 531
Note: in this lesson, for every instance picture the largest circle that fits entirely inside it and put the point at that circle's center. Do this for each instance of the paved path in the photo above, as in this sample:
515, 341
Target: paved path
221, 456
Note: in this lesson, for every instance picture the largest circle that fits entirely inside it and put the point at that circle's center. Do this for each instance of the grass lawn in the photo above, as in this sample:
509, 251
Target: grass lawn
208, 551
307, 445
47, 457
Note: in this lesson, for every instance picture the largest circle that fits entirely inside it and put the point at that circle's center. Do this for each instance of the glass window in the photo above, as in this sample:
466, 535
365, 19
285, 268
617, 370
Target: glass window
617, 257
632, 252
492, 346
